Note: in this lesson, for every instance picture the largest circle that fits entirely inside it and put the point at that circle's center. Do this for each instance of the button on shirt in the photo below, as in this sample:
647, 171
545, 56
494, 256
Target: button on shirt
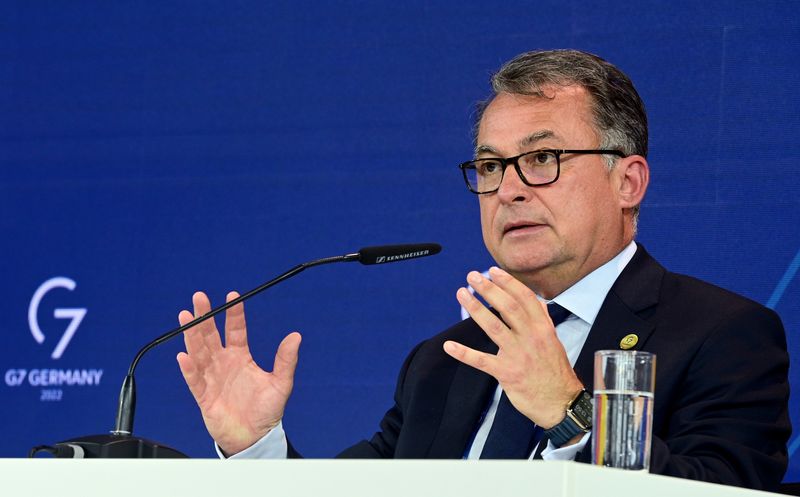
583, 300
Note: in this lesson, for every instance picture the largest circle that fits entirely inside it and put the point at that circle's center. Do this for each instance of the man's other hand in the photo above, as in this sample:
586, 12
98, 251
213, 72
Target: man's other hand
531, 364
239, 401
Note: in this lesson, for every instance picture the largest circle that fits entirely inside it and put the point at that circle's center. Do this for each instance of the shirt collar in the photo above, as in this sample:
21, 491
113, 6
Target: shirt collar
584, 298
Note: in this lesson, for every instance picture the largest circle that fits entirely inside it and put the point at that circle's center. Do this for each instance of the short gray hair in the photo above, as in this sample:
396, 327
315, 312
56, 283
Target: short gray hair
618, 110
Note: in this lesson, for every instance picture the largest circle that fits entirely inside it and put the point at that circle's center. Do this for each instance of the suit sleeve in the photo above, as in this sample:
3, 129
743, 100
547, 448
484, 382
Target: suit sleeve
383, 443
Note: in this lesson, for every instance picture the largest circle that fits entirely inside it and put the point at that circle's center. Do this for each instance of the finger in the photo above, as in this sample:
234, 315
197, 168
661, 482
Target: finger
488, 363
495, 329
192, 338
519, 291
235, 326
544, 310
194, 379
185, 317
513, 310
208, 328
286, 358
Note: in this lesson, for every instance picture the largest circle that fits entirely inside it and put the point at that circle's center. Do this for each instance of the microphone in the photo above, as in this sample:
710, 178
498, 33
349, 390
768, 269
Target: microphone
121, 443
394, 253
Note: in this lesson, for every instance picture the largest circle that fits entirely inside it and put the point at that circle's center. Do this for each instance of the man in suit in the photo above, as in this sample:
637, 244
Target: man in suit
560, 169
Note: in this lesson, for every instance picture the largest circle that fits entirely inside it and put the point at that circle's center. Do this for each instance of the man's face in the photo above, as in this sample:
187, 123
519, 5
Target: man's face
549, 236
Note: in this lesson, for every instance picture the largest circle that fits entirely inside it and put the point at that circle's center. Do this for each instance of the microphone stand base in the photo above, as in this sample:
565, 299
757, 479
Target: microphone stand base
115, 446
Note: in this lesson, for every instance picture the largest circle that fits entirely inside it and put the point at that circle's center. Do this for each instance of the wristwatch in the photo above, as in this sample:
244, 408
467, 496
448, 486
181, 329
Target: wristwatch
578, 420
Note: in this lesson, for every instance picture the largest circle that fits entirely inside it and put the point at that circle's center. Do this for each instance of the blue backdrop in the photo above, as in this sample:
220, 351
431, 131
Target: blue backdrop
150, 149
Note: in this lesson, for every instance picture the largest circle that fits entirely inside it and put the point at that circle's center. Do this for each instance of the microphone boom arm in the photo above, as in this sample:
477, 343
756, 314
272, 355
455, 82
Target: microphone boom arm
127, 394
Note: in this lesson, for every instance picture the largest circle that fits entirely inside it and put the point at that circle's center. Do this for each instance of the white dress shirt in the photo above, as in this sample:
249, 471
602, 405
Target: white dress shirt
583, 300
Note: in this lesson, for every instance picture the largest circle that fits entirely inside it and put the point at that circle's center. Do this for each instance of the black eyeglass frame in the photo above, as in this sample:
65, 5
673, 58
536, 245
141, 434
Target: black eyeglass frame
504, 163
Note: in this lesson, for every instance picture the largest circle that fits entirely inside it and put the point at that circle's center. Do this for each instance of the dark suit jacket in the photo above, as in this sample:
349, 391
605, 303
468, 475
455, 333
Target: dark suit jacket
721, 384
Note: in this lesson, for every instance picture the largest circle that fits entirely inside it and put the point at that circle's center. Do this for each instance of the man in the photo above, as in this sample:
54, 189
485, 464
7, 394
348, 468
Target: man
560, 169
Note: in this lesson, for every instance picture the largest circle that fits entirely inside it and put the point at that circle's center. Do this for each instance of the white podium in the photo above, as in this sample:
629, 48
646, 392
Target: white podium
334, 478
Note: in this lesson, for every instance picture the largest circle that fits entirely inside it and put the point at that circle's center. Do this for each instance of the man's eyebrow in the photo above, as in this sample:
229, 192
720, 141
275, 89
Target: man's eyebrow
535, 137
524, 143
486, 149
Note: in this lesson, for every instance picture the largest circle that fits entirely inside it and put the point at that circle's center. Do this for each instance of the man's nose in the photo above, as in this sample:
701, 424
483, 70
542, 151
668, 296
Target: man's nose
512, 189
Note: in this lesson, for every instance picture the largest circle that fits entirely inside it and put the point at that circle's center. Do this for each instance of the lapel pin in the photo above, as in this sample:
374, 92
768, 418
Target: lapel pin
629, 341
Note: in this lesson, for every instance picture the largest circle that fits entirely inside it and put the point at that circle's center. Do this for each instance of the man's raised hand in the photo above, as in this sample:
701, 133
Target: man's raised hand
531, 364
239, 401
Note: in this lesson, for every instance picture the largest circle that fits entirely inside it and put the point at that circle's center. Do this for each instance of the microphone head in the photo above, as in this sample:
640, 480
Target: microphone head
395, 253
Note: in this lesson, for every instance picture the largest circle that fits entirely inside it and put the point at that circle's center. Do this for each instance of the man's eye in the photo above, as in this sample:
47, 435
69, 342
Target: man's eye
542, 158
488, 167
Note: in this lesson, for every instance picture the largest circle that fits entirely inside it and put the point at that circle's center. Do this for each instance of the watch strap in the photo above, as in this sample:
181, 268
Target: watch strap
564, 431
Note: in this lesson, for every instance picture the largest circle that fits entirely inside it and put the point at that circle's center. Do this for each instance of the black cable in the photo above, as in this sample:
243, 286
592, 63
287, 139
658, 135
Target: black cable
43, 448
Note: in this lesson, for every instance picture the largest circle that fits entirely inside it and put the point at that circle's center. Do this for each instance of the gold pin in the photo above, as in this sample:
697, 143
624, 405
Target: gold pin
628, 342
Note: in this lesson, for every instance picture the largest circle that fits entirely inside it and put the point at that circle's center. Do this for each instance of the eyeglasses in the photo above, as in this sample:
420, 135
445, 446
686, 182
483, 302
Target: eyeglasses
537, 168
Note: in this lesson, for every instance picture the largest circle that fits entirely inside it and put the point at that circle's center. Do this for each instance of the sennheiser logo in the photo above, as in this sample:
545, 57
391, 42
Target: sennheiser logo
74, 315
52, 380
400, 257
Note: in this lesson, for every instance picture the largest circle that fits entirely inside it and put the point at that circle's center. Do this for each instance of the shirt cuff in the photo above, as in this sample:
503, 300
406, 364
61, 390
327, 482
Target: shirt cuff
553, 453
273, 445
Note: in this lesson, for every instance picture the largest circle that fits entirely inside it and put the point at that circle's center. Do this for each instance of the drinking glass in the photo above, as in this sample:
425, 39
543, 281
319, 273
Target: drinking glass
624, 384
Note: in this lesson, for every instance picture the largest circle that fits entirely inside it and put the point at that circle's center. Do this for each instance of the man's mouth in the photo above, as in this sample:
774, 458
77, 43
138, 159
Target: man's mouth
521, 226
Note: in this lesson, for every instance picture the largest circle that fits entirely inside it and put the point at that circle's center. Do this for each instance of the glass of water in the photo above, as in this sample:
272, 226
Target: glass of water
624, 383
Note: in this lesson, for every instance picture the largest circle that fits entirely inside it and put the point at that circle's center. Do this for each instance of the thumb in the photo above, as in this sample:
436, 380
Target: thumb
286, 358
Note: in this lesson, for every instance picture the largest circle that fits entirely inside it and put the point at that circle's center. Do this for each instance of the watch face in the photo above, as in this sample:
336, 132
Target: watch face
582, 410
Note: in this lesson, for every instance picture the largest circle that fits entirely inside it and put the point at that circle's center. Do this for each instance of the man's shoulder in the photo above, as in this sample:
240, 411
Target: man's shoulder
694, 293
695, 309
693, 289
685, 312
647, 277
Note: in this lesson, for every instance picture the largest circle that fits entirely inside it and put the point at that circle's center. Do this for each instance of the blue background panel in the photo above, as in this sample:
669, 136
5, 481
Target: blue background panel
150, 149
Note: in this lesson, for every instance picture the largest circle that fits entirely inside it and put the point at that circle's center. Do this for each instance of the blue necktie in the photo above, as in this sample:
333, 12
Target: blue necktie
513, 436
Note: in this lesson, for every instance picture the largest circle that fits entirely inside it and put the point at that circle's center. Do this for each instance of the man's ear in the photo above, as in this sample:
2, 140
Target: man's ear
633, 174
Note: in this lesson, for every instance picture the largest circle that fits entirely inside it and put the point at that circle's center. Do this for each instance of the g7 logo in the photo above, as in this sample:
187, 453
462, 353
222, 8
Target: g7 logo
76, 315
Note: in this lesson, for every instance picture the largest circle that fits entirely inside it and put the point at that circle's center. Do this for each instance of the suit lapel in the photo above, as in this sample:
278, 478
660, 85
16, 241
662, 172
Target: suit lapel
614, 322
623, 313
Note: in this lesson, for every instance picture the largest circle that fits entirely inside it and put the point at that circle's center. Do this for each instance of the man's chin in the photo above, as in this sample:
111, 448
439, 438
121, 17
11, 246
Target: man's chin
528, 264
524, 268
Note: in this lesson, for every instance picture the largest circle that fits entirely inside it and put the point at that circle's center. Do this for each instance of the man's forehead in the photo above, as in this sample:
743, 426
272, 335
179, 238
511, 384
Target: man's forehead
529, 119
527, 141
